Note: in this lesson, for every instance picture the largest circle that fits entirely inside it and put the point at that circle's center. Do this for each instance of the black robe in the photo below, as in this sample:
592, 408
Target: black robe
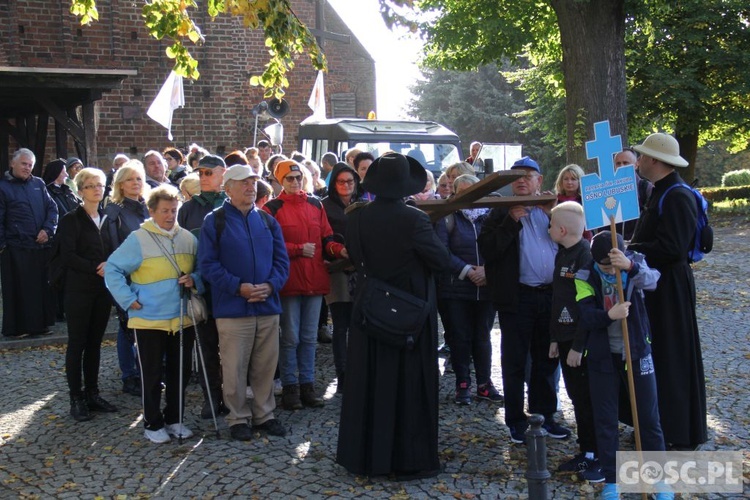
389, 413
665, 241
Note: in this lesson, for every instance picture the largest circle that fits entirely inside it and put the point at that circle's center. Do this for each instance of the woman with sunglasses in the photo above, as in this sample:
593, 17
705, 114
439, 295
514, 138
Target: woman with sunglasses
308, 236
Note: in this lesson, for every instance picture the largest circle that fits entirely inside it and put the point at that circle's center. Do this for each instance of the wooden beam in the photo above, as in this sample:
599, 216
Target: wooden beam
40, 141
496, 180
89, 128
4, 145
60, 116
61, 140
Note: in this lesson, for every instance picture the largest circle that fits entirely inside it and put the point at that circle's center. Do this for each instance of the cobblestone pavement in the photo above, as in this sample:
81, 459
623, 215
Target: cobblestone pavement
45, 454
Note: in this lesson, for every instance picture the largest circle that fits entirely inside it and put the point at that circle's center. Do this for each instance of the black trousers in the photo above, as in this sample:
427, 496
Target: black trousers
524, 332
154, 348
468, 327
341, 315
577, 385
28, 302
87, 315
605, 387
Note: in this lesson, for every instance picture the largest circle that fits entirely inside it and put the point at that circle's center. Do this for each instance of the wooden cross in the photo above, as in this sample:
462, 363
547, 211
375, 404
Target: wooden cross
476, 196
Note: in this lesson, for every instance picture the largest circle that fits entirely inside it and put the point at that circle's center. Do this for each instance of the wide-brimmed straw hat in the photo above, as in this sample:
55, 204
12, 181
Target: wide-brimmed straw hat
394, 175
664, 148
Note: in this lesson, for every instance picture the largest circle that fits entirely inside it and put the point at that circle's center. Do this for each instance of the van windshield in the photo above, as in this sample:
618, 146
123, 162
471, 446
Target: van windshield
433, 157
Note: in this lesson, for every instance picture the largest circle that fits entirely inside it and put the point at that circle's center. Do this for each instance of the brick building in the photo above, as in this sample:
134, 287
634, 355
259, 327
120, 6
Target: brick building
71, 90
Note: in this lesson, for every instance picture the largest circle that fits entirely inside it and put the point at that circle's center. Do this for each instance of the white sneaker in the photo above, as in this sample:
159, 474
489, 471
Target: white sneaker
159, 436
277, 388
175, 430
249, 393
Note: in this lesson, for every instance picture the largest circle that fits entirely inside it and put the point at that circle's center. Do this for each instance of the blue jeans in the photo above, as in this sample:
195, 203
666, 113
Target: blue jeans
299, 338
126, 356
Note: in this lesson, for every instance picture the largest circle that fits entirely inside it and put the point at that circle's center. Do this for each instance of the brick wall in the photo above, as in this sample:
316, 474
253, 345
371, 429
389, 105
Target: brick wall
42, 33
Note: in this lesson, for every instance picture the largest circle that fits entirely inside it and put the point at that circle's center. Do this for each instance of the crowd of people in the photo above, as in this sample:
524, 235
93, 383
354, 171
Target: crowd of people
276, 244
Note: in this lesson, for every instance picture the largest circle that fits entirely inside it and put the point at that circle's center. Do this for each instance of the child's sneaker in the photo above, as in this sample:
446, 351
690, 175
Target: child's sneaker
463, 394
593, 474
487, 391
518, 433
578, 463
610, 492
555, 430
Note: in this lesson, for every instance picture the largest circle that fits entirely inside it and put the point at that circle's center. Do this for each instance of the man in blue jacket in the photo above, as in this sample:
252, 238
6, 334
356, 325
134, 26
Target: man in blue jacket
28, 220
243, 257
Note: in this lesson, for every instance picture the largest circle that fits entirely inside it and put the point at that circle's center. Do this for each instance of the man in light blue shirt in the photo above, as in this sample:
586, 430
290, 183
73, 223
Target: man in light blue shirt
519, 263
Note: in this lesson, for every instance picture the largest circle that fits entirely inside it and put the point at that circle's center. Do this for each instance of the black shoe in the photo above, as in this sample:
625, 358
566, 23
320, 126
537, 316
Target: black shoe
418, 474
340, 383
79, 410
518, 433
271, 427
132, 385
97, 403
578, 463
221, 410
555, 430
241, 432
463, 394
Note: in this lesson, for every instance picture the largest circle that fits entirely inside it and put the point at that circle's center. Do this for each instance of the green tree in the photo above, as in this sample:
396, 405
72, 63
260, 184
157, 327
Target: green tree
689, 72
286, 35
588, 36
480, 105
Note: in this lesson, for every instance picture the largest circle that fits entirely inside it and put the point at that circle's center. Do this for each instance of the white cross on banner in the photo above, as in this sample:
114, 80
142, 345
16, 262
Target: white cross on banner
170, 97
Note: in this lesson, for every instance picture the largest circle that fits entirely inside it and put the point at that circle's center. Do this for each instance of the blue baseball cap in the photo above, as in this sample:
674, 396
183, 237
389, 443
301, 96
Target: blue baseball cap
526, 162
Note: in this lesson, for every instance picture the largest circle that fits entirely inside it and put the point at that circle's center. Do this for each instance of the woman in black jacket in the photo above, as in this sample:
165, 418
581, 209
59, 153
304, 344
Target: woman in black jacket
84, 248
344, 190
125, 213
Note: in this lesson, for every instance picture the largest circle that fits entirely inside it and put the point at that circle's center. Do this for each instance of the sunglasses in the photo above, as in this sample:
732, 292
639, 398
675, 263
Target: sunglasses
293, 178
205, 173
349, 182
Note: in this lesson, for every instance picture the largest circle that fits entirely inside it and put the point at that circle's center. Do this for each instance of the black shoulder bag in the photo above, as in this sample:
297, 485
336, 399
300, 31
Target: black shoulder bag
384, 312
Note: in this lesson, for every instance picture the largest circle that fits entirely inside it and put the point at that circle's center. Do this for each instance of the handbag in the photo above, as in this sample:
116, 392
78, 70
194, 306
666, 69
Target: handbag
389, 314
196, 306
385, 312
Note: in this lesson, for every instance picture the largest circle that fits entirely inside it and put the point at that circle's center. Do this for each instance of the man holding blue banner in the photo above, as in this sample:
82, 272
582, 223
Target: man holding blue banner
665, 235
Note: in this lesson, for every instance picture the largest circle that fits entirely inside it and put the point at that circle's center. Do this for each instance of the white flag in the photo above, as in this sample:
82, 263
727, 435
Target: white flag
170, 97
317, 101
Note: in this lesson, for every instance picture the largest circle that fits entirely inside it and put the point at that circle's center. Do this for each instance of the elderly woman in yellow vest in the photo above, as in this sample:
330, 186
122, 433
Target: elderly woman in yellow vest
159, 258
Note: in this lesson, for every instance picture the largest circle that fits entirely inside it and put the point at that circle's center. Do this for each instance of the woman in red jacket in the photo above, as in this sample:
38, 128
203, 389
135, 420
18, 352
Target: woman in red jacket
308, 236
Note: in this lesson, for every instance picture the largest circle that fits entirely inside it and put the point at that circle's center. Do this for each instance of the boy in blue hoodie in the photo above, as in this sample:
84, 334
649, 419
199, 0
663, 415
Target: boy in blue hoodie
601, 315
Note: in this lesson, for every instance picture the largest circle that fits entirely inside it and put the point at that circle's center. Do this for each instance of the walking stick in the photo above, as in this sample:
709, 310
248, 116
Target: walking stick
628, 357
182, 325
203, 366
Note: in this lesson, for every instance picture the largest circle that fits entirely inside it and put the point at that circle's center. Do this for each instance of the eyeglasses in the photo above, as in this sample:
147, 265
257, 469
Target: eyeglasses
293, 178
205, 173
349, 182
94, 186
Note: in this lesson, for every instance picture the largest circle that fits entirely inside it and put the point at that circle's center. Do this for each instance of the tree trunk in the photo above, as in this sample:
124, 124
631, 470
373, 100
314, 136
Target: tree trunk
592, 34
687, 137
